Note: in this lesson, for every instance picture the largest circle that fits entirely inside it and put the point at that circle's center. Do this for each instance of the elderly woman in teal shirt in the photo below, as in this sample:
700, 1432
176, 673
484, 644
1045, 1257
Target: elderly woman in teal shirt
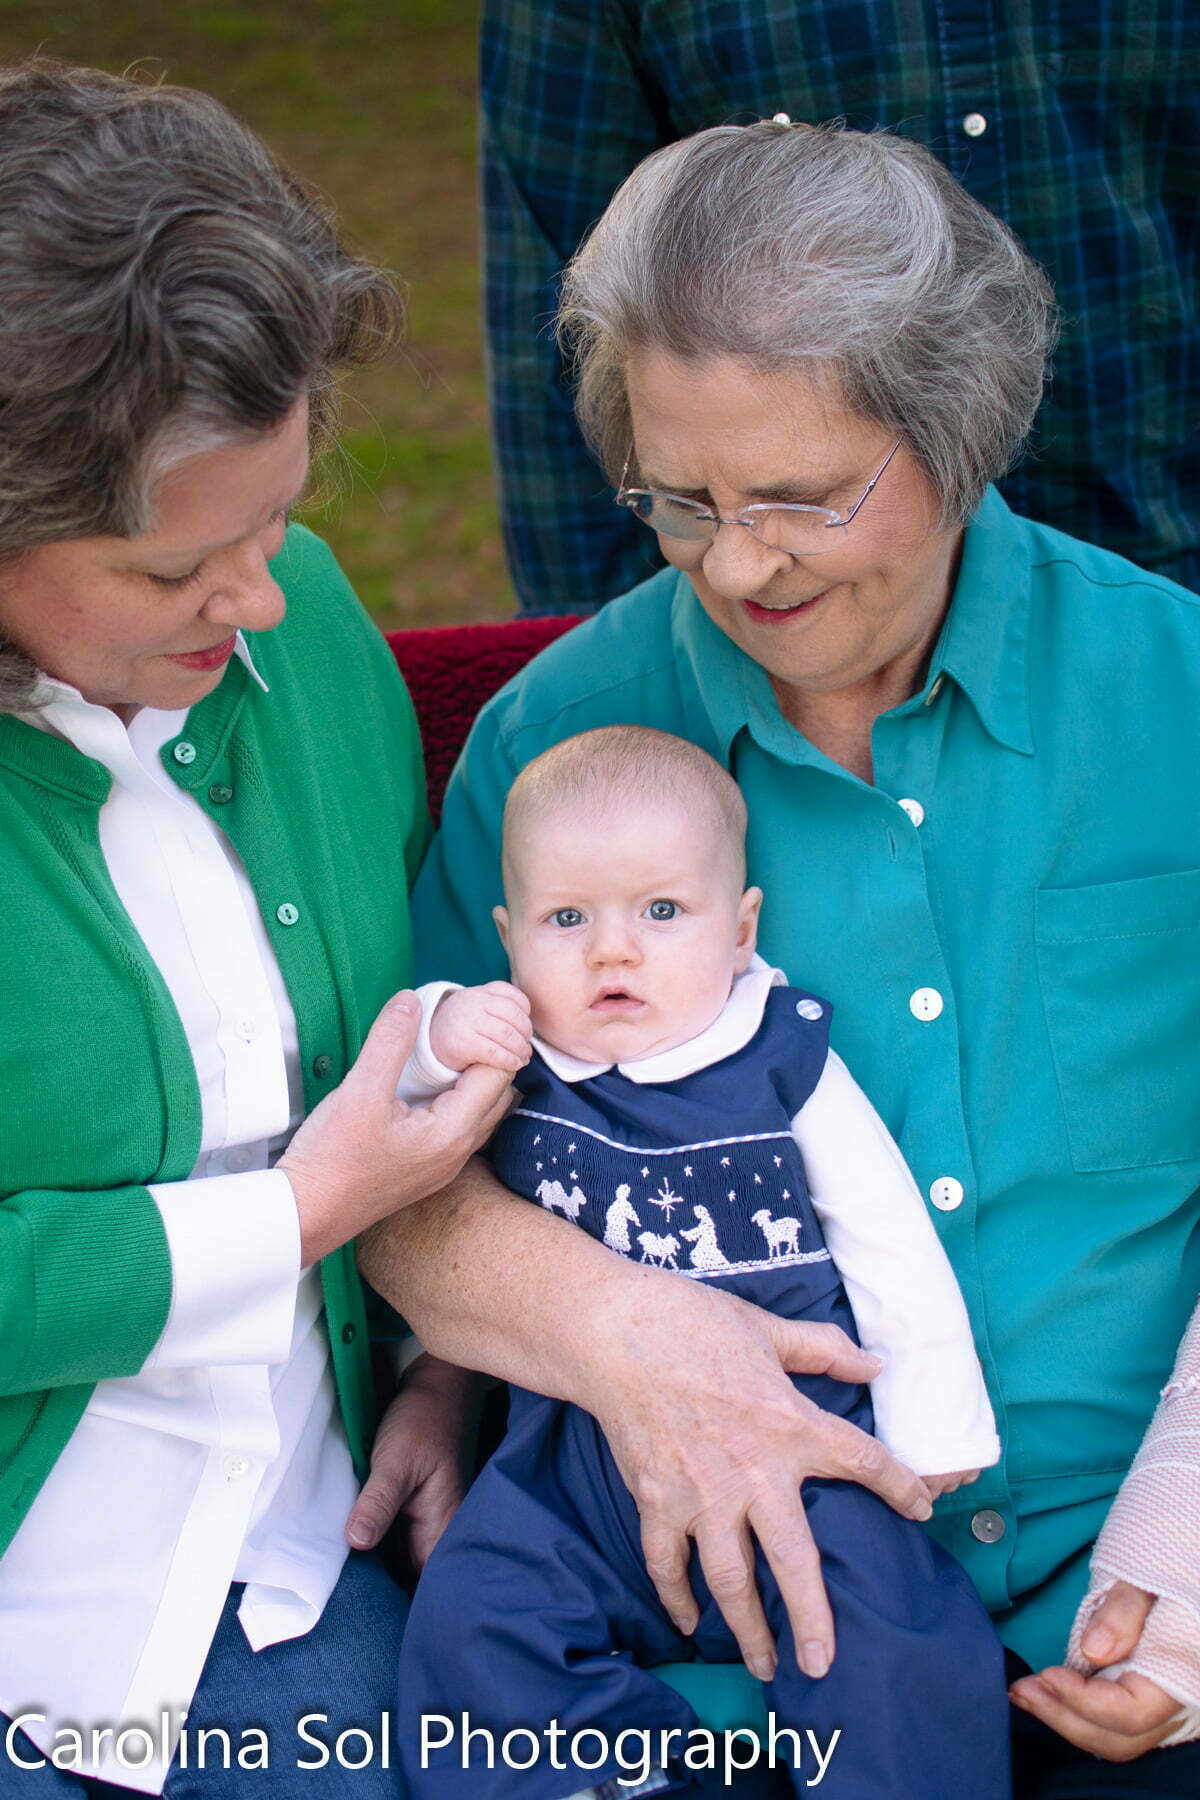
967, 744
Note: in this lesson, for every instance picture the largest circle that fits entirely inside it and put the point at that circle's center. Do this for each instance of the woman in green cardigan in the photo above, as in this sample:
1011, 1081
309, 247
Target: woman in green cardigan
211, 806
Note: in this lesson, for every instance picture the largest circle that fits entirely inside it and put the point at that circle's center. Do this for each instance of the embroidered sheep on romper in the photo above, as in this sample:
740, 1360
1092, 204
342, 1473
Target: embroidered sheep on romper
781, 1234
659, 1250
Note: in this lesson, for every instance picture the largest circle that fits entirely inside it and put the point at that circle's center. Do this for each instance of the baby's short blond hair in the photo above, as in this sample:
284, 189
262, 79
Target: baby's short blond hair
628, 764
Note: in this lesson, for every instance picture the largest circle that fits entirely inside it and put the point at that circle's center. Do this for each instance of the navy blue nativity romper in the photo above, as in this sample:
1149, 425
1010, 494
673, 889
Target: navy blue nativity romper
536, 1604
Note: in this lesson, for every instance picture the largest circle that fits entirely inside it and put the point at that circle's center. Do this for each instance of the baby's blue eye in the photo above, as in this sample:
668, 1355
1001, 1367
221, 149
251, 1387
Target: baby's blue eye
567, 916
662, 910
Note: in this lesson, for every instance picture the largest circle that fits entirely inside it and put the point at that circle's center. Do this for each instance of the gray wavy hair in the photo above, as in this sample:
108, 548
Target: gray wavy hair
165, 287
845, 253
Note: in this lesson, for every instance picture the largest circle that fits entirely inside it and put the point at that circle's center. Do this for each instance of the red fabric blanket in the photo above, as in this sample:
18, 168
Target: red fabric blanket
451, 670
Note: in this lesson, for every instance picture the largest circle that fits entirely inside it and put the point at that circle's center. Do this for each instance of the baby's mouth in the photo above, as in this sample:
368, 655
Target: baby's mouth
616, 1000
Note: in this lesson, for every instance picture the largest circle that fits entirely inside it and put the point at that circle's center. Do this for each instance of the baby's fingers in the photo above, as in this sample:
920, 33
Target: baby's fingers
515, 1033
509, 997
500, 1049
511, 1016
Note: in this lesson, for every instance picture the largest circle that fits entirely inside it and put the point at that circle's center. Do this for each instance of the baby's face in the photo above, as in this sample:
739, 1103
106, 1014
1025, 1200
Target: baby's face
625, 929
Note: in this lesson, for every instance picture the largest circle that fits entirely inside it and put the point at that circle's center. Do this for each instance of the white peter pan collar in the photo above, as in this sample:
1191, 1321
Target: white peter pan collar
730, 1031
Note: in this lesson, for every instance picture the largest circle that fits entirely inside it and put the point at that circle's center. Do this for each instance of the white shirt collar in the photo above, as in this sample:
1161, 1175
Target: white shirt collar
730, 1031
242, 652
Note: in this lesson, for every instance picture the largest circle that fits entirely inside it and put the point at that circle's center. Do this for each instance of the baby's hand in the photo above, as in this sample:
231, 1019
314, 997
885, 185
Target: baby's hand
937, 1485
488, 1025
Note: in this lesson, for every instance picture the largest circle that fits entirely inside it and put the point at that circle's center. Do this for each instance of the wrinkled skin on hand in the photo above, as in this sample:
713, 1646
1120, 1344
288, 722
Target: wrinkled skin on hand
714, 1448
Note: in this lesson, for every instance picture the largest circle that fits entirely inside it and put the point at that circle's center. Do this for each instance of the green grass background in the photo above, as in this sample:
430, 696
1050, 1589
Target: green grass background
373, 101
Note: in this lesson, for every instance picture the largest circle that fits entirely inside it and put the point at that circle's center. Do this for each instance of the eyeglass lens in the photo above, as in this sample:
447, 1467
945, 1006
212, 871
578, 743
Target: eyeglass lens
801, 533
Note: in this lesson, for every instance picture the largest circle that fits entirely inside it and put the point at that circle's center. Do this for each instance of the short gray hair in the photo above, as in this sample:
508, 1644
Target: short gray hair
165, 286
845, 253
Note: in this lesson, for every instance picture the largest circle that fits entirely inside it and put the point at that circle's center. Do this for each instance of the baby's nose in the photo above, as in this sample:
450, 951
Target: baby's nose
613, 942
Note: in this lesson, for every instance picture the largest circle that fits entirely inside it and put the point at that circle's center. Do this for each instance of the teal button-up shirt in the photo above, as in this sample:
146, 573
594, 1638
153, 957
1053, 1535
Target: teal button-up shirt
1014, 962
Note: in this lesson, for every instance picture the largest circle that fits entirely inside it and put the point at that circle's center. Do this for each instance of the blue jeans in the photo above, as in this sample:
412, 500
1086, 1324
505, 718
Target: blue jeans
345, 1667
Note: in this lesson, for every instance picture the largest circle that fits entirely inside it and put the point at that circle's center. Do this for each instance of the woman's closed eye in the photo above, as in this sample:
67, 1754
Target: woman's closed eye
176, 581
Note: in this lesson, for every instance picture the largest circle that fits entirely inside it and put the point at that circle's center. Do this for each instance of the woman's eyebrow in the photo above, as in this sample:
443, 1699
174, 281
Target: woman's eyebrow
200, 552
659, 486
800, 493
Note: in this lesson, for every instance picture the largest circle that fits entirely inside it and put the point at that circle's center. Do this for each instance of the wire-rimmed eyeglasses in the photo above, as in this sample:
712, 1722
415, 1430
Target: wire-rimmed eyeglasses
797, 529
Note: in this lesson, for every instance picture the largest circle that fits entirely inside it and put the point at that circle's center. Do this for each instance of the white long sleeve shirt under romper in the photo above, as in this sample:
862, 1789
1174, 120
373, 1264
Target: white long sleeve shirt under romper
224, 1459
930, 1400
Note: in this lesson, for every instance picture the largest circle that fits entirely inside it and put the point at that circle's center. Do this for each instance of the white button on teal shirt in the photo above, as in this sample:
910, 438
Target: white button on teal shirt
1008, 925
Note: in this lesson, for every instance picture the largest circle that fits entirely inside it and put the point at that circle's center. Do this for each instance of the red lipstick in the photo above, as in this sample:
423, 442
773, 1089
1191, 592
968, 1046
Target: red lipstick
206, 660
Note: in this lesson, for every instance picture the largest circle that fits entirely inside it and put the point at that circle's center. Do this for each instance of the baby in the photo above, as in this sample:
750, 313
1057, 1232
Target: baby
682, 1104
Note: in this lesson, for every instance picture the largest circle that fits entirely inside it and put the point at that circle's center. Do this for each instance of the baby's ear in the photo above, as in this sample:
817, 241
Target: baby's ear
747, 932
500, 915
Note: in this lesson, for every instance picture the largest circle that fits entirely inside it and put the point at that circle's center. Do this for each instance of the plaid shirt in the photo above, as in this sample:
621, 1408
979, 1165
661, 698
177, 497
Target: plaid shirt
1079, 124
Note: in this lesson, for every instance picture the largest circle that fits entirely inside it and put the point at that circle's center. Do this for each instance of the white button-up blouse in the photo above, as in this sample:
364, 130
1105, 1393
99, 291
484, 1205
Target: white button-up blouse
224, 1459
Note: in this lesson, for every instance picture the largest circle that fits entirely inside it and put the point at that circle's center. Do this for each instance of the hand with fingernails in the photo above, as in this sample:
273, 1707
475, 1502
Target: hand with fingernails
488, 1024
715, 1452
1115, 1719
419, 1459
363, 1154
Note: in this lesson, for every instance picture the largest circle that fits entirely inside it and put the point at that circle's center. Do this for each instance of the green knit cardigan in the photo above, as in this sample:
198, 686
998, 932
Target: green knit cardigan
319, 785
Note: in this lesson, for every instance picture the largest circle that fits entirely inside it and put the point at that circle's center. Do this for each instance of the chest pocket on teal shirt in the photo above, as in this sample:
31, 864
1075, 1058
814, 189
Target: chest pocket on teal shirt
1119, 967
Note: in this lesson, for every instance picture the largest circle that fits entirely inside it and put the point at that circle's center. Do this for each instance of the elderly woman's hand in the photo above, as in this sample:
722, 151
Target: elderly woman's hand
714, 1441
362, 1154
1117, 1720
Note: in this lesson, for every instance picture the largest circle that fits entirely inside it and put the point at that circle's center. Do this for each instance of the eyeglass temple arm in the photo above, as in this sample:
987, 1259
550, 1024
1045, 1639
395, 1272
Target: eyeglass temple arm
872, 484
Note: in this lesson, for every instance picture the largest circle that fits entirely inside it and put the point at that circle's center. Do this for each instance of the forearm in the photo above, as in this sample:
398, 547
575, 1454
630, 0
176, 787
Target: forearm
492, 1282
1150, 1539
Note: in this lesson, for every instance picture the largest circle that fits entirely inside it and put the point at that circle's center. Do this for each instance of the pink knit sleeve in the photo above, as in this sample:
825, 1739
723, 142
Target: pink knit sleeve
1151, 1538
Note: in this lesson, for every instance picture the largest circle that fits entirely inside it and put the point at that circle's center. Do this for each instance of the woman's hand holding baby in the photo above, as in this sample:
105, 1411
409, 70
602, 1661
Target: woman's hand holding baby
488, 1025
363, 1154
